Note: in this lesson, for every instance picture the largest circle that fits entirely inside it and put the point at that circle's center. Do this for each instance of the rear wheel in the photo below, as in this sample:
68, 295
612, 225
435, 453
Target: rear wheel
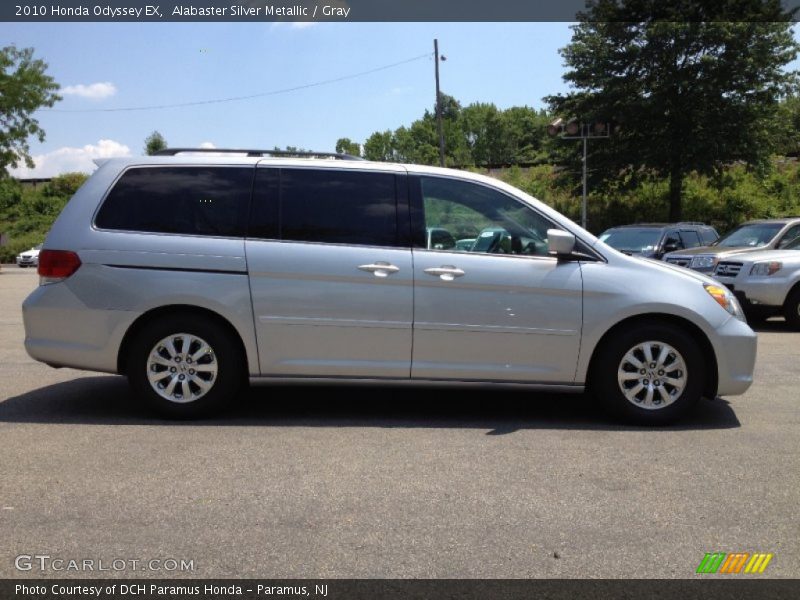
651, 374
791, 309
185, 367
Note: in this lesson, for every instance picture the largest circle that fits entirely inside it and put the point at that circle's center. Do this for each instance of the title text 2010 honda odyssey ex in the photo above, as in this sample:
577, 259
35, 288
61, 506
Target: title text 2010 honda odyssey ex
193, 273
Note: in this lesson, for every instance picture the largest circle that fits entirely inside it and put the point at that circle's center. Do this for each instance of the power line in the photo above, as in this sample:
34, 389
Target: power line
239, 98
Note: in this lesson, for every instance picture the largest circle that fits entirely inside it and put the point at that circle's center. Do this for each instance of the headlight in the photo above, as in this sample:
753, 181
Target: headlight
763, 269
703, 262
725, 299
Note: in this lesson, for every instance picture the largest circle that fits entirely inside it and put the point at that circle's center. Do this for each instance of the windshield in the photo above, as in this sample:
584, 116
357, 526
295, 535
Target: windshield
756, 234
632, 239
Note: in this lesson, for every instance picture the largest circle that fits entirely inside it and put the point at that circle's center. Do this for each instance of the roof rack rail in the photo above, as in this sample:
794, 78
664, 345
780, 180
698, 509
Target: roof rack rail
251, 152
690, 223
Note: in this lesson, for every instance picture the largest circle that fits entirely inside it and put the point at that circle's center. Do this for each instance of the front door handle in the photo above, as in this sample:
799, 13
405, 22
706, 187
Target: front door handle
380, 268
445, 272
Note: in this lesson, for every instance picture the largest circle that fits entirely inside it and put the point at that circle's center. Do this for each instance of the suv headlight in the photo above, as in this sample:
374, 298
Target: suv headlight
703, 262
725, 299
763, 269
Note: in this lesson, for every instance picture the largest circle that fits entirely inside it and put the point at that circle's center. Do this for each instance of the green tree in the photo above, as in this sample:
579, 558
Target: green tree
693, 86
347, 146
154, 142
379, 146
787, 127
481, 125
24, 88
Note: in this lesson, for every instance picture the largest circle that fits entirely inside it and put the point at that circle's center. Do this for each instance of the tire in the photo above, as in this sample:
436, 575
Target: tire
664, 394
757, 316
181, 383
791, 309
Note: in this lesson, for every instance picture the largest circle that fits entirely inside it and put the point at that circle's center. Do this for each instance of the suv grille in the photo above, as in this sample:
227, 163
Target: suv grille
681, 261
728, 269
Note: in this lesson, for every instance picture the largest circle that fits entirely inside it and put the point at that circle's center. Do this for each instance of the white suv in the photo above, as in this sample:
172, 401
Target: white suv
193, 274
766, 283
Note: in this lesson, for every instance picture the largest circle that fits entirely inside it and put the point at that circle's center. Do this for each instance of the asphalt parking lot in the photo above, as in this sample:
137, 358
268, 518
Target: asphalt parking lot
370, 482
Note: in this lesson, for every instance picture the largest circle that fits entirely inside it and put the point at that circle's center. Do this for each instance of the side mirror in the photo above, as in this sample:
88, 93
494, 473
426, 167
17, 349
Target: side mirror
560, 243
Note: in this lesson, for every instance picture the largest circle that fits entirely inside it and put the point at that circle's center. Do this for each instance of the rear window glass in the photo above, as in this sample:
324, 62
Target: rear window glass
208, 201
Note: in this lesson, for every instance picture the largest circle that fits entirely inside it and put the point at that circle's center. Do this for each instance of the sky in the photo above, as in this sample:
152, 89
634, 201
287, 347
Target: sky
104, 66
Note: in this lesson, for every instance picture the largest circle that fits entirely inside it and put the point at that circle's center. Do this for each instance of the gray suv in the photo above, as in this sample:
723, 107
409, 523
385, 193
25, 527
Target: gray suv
193, 274
766, 234
654, 240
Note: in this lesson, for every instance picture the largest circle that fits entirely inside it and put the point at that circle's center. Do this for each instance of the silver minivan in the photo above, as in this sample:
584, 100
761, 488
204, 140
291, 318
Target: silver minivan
193, 274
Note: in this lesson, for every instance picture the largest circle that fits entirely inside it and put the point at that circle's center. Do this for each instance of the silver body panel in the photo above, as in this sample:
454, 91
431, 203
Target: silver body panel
316, 313
508, 318
307, 310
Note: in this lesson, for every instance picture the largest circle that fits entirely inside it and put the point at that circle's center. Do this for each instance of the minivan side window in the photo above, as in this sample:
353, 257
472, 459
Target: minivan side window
338, 207
202, 200
480, 219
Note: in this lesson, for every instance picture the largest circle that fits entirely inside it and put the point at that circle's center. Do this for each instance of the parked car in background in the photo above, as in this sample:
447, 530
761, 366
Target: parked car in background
766, 283
654, 240
192, 274
767, 234
29, 258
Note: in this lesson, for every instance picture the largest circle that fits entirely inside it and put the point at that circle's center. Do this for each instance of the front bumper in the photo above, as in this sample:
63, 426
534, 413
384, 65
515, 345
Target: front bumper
735, 347
757, 291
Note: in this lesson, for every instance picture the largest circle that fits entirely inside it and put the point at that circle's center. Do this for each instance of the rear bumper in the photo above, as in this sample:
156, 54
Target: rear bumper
62, 332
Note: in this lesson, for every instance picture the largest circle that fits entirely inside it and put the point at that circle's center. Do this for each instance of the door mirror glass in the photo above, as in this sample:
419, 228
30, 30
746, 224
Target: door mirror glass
559, 242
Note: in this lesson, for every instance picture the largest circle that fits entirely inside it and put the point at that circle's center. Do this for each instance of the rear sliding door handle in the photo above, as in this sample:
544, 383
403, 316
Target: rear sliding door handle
445, 272
380, 268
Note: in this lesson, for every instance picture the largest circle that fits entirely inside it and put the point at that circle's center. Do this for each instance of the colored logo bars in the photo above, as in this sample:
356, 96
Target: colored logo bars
736, 562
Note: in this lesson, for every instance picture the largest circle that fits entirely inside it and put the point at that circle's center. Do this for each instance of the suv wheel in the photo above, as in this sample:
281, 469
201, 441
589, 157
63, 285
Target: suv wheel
185, 367
791, 310
652, 374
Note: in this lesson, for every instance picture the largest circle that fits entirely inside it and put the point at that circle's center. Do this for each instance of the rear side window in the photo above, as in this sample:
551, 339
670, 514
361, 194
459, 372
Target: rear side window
709, 236
208, 201
690, 239
338, 207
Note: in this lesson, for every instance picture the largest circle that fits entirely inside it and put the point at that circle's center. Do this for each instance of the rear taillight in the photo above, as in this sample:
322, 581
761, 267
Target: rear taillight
57, 265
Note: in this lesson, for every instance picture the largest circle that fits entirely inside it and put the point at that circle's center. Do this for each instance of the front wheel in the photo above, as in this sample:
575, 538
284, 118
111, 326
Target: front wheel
791, 310
650, 374
185, 366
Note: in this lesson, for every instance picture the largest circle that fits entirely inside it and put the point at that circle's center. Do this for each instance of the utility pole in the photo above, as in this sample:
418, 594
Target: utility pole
438, 103
585, 170
575, 130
